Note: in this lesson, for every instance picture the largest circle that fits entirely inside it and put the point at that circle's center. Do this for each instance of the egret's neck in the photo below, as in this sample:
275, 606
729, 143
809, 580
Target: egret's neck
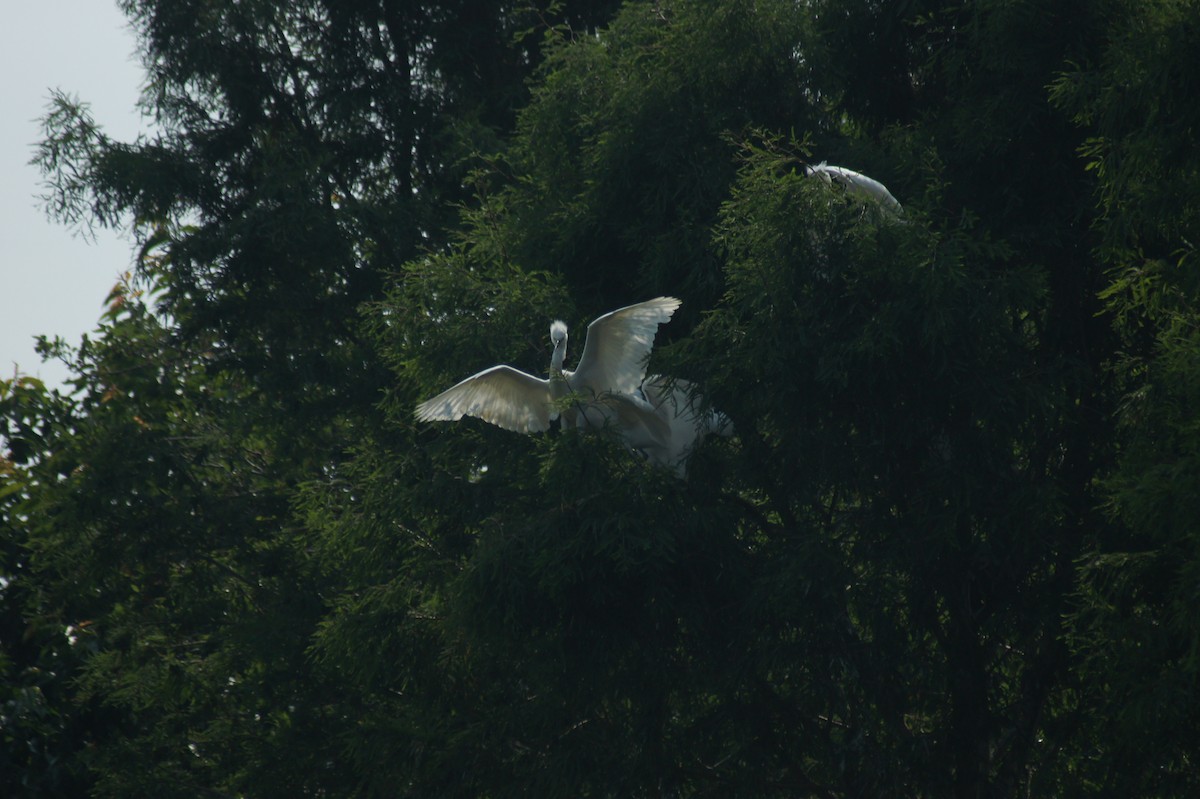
556, 360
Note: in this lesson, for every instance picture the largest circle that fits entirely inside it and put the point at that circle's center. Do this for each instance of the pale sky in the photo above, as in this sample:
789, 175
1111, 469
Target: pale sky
52, 281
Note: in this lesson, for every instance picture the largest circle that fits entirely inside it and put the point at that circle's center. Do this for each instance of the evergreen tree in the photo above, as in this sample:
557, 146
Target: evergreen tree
865, 593
303, 151
1134, 624
949, 551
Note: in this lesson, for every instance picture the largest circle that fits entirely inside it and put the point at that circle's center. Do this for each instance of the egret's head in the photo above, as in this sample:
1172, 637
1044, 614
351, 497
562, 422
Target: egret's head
822, 171
558, 333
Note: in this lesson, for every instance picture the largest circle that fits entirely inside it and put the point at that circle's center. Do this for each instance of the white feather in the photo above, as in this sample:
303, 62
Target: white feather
855, 183
678, 405
613, 362
658, 417
502, 395
618, 346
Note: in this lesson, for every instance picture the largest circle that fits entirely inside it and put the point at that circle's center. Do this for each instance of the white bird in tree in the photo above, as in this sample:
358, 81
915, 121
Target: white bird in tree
856, 183
678, 404
664, 420
609, 373
657, 417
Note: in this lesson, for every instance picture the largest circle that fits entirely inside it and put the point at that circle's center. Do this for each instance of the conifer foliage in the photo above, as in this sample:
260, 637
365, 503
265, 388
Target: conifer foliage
950, 550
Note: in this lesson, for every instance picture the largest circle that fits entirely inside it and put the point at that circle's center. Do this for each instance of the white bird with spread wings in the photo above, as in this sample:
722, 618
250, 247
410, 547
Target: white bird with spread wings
607, 386
613, 363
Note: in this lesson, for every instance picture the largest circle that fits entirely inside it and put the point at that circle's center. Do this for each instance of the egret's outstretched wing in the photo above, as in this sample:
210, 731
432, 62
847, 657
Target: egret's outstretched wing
856, 183
502, 395
618, 345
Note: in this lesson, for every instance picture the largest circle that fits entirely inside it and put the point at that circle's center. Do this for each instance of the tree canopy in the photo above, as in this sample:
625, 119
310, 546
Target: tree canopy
950, 550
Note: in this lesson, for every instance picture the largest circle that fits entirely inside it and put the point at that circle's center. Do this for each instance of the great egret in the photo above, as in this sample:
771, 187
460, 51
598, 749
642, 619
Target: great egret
855, 183
610, 372
656, 416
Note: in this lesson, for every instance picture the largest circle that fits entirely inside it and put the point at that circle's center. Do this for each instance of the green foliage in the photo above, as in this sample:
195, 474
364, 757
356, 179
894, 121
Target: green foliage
302, 152
1135, 622
950, 550
811, 611
624, 155
181, 604
39, 730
